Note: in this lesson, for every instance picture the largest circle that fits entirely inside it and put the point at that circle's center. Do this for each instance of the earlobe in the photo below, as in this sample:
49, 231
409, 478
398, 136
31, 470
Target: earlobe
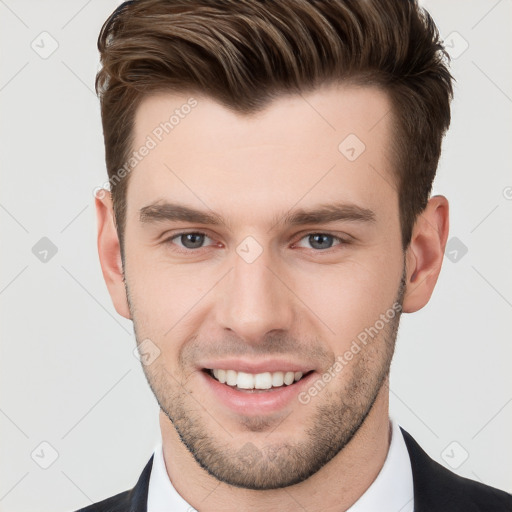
425, 253
109, 252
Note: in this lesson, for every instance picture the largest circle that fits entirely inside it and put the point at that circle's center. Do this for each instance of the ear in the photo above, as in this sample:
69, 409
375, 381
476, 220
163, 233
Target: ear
110, 252
425, 253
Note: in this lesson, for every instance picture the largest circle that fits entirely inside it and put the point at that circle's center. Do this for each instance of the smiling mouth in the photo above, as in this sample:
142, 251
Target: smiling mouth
255, 383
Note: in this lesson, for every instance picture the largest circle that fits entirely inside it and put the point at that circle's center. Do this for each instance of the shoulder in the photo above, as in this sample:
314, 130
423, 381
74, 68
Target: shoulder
118, 503
437, 488
133, 500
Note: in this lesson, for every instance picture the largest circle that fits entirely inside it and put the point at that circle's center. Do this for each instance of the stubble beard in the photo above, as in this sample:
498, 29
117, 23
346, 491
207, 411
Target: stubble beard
263, 465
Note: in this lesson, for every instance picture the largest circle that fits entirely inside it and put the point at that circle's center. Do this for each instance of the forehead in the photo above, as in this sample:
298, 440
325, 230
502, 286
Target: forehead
333, 143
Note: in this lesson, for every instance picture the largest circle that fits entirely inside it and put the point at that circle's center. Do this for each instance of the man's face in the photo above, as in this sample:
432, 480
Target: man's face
257, 294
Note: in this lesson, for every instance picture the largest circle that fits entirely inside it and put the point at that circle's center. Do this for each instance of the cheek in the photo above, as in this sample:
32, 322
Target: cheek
168, 304
343, 300
160, 290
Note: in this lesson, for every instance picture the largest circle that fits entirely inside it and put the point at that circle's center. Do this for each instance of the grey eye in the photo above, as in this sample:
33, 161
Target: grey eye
320, 241
191, 240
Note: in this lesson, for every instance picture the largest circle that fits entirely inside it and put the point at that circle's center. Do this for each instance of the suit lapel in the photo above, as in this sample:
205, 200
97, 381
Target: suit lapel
433, 484
137, 498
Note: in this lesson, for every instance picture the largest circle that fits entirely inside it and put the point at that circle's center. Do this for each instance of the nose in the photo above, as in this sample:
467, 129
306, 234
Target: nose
254, 299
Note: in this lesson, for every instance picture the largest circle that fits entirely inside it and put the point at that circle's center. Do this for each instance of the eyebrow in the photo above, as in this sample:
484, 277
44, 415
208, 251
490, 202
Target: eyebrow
325, 213
322, 214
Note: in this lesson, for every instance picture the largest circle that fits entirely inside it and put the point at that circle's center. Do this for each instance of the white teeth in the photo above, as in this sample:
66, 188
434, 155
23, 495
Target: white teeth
289, 377
277, 379
231, 377
245, 380
264, 380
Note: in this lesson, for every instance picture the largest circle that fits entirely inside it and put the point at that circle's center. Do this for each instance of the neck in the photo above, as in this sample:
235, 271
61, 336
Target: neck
335, 487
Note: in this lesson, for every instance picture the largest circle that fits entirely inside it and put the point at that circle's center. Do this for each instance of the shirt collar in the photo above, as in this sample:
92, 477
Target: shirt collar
391, 491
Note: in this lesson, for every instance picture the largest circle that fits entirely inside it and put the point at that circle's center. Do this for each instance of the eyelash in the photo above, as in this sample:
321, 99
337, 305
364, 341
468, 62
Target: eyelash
342, 241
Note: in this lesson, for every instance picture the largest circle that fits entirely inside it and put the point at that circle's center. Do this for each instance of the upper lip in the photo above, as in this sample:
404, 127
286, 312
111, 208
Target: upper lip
255, 367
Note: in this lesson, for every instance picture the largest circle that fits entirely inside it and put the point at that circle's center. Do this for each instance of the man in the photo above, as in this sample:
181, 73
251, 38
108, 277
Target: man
269, 220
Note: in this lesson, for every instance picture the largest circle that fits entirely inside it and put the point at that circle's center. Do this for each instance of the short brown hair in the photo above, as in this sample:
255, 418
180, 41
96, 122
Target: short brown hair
245, 53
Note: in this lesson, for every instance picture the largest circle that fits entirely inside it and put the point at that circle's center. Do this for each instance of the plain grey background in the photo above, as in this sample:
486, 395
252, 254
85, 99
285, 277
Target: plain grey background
73, 396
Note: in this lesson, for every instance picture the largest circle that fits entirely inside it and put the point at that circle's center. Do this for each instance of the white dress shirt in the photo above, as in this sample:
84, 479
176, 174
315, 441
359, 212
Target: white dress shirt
391, 491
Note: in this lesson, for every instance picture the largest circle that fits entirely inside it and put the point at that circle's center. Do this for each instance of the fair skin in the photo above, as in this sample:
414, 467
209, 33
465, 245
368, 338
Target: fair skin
297, 306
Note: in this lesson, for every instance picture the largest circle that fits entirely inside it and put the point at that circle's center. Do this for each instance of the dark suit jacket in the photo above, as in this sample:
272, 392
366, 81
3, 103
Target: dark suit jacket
435, 490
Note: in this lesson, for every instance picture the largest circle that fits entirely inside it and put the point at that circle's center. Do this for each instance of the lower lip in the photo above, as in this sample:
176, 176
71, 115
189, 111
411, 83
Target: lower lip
257, 402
